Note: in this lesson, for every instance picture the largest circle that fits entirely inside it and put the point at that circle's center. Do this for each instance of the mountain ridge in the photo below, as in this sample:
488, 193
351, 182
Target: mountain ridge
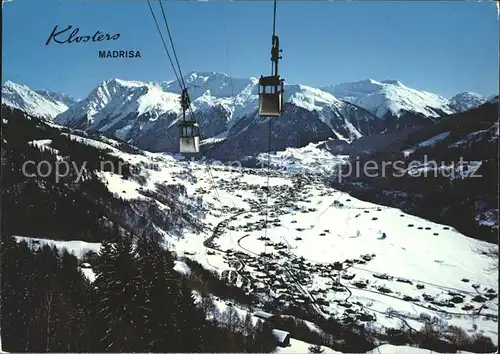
145, 113
40, 104
201, 82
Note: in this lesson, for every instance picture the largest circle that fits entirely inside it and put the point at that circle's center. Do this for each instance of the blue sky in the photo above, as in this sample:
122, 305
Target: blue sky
441, 47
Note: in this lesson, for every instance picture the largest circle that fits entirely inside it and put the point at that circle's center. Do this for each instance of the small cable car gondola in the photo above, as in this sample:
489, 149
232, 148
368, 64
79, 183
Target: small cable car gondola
189, 131
270, 96
189, 137
271, 87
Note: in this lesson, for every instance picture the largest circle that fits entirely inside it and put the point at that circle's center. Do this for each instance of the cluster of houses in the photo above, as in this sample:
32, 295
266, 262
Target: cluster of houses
276, 273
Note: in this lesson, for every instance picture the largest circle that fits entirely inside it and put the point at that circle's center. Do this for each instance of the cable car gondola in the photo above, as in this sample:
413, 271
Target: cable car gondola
271, 87
270, 96
189, 137
189, 131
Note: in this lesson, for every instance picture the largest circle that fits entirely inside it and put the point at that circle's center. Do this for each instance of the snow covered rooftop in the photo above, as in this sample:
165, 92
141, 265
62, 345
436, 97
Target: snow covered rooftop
264, 315
280, 335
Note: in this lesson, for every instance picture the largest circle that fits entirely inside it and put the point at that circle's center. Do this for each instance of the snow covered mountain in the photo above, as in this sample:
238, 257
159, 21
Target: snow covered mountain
391, 98
43, 104
493, 99
145, 113
112, 101
58, 97
464, 101
218, 84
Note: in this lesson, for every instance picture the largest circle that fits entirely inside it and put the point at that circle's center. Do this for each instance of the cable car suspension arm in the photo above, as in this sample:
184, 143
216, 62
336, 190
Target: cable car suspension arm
275, 49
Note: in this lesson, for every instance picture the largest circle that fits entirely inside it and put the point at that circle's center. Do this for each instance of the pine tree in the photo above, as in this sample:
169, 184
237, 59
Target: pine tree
248, 328
74, 306
207, 305
264, 340
146, 277
231, 319
155, 277
40, 308
189, 320
47, 291
168, 310
248, 331
117, 295
13, 293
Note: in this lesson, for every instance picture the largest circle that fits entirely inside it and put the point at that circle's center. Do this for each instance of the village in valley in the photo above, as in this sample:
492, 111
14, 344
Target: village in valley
333, 255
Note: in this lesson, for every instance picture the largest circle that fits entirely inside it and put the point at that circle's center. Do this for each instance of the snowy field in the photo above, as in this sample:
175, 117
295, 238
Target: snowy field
346, 257
77, 248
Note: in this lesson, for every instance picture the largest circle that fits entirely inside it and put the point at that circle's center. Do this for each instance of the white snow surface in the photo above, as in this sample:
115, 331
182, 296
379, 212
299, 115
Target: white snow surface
44, 145
77, 248
434, 140
182, 268
308, 159
301, 347
400, 349
89, 274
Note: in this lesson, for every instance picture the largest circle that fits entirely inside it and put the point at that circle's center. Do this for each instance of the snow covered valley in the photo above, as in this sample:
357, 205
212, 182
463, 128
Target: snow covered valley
323, 255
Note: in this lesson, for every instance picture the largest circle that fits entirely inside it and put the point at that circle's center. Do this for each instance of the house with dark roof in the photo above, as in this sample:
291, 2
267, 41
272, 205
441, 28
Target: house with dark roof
282, 337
